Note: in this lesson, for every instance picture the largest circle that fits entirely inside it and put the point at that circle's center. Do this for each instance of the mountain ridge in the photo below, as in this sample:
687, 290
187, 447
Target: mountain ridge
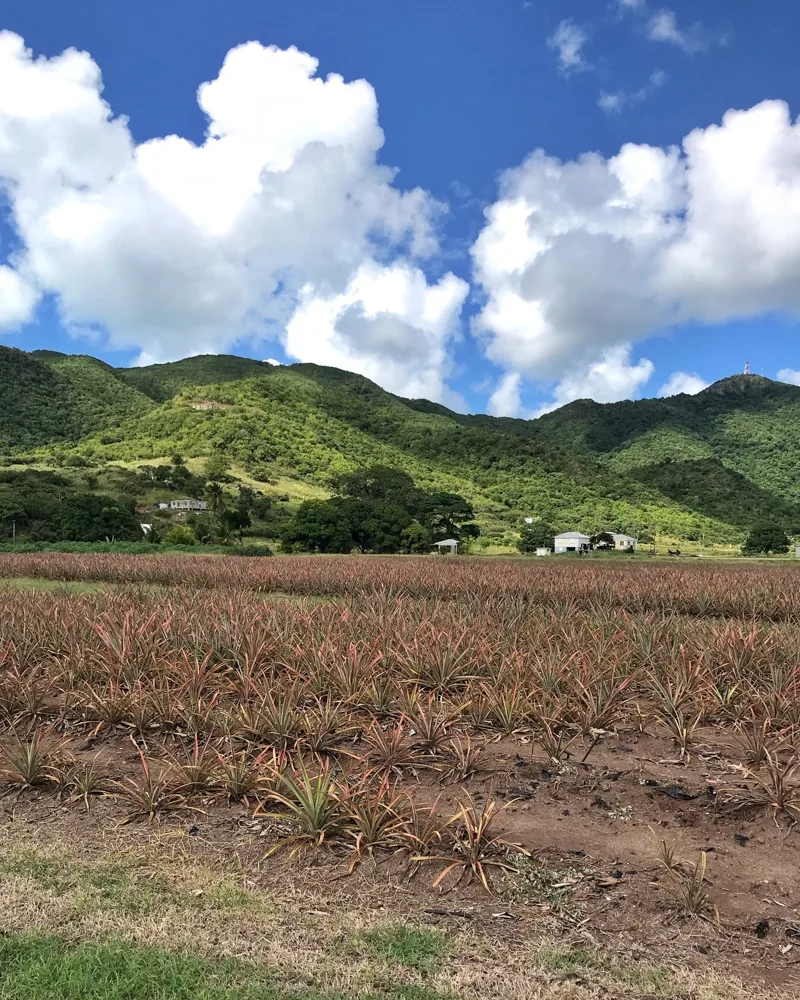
712, 463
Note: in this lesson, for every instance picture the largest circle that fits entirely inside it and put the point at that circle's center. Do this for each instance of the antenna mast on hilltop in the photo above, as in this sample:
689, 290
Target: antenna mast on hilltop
747, 367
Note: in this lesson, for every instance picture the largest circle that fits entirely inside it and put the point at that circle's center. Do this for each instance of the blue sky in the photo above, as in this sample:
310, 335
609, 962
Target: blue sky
600, 276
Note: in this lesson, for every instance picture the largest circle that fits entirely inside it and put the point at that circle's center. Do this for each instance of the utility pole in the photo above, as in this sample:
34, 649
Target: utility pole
13, 532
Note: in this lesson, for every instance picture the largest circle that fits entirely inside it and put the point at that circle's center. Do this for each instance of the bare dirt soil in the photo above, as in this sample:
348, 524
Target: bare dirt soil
592, 830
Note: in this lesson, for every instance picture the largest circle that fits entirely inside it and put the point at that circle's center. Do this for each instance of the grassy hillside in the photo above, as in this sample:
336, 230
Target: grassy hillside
659, 464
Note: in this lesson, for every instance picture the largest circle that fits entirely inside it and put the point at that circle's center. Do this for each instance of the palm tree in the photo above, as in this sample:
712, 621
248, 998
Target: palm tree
215, 498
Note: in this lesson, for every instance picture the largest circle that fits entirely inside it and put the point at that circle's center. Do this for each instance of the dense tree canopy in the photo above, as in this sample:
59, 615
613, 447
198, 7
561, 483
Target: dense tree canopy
766, 538
318, 526
380, 510
44, 506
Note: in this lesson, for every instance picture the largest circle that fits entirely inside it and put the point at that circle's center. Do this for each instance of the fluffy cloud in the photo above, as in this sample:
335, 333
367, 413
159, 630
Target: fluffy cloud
176, 248
616, 101
581, 257
17, 299
506, 401
568, 41
389, 324
607, 380
568, 257
683, 382
789, 375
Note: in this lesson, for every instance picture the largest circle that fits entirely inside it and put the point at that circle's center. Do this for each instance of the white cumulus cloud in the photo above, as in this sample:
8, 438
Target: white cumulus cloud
17, 299
789, 375
389, 325
683, 382
569, 40
609, 379
176, 248
580, 257
506, 401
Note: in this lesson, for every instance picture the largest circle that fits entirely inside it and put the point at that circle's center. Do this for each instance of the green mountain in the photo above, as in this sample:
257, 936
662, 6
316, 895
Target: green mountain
712, 463
746, 424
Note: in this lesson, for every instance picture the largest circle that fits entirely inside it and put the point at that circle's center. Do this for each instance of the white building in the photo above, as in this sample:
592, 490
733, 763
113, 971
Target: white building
624, 543
447, 546
543, 552
572, 541
188, 504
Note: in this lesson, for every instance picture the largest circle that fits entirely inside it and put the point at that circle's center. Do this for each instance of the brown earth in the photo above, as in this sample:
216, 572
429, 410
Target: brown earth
593, 829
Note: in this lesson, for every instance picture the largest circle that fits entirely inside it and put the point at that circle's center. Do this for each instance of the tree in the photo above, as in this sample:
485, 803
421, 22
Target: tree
261, 506
443, 512
181, 534
416, 538
153, 536
216, 466
603, 540
215, 498
764, 538
87, 517
375, 527
235, 520
318, 526
203, 527
177, 459
378, 482
535, 536
246, 498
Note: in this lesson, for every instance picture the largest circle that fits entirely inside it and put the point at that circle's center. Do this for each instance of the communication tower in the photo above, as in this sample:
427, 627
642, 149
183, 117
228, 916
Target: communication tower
747, 367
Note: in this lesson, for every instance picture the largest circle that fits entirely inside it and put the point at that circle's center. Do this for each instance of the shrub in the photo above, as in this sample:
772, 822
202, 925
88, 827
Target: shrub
180, 535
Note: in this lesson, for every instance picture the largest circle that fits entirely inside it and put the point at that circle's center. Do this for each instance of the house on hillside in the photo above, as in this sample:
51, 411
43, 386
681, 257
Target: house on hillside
188, 504
447, 547
572, 541
624, 543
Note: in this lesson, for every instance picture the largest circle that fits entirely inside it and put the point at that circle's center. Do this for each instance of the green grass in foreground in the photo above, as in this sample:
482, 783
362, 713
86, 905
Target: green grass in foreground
60, 586
414, 947
44, 967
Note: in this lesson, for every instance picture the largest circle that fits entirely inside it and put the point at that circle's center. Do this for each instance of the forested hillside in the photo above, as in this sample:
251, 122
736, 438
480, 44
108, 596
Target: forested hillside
713, 463
747, 422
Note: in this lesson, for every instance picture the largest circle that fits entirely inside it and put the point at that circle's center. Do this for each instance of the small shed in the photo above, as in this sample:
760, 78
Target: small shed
543, 552
447, 547
624, 543
572, 541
